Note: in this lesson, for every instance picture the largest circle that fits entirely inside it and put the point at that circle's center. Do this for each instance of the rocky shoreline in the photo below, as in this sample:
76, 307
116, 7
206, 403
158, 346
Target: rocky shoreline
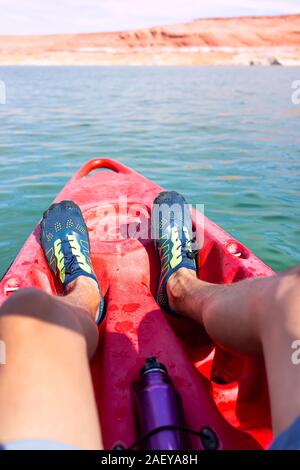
232, 41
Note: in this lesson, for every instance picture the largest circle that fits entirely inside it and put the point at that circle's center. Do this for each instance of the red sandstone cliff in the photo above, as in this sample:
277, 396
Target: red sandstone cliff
230, 40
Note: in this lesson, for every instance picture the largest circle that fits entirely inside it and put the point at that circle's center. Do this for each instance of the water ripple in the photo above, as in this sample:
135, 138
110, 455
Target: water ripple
225, 137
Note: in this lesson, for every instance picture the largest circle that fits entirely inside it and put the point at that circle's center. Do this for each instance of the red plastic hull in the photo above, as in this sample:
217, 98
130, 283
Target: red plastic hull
135, 327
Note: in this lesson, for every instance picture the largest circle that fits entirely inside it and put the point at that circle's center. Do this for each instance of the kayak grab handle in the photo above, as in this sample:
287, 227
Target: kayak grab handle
106, 163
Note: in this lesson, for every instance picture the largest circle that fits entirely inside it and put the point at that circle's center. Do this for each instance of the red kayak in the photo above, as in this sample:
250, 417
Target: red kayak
225, 392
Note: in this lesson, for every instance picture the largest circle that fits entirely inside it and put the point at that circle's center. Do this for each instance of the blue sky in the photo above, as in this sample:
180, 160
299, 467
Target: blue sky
71, 16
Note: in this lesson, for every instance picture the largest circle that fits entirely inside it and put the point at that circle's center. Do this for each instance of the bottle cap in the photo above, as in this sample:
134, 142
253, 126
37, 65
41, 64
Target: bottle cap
152, 364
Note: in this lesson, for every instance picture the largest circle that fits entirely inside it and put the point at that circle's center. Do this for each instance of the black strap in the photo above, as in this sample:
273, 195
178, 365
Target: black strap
208, 437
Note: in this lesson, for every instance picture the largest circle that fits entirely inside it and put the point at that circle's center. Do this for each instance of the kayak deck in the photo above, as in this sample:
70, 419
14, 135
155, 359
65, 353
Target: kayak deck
223, 391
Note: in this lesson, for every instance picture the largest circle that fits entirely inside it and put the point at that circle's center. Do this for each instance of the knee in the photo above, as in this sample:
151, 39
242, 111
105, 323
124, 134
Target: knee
283, 306
31, 303
288, 289
26, 300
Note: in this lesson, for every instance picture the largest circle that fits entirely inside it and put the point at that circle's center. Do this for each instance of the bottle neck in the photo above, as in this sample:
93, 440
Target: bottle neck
155, 376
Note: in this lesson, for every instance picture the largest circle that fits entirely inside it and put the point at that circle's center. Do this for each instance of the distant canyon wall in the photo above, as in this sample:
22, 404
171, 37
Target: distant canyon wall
231, 41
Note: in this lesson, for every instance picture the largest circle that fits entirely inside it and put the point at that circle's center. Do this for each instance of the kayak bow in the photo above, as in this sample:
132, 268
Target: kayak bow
221, 391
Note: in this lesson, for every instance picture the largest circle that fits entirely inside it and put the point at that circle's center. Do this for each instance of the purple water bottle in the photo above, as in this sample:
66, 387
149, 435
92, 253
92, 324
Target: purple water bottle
159, 404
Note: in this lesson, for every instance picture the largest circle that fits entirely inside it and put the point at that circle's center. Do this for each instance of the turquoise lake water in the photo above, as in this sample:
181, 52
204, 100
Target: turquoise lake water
228, 138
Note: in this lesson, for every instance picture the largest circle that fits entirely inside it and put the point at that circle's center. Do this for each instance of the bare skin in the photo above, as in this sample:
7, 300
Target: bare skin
255, 316
45, 387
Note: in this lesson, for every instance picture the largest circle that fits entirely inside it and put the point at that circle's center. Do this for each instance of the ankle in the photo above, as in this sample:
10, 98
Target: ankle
84, 292
82, 282
178, 288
